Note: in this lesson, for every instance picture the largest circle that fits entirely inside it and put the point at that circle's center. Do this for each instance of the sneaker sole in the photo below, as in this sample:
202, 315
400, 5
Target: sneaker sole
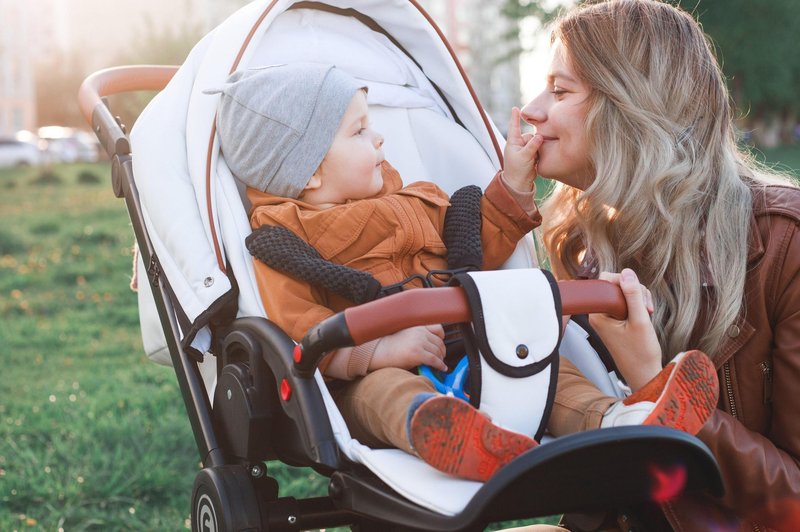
689, 396
455, 438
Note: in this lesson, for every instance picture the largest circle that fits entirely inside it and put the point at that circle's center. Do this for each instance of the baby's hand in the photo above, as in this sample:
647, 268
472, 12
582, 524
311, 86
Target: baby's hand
520, 155
410, 348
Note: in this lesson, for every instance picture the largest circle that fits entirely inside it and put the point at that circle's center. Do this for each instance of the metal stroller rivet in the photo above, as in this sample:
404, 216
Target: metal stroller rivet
256, 471
208, 281
522, 351
229, 395
292, 519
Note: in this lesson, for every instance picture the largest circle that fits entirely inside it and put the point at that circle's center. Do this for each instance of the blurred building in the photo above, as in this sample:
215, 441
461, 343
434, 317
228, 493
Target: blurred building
17, 105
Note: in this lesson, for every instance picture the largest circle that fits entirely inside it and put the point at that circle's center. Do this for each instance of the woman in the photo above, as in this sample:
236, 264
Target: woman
638, 131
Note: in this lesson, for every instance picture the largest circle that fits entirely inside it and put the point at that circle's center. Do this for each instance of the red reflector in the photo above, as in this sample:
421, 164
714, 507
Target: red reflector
286, 390
297, 354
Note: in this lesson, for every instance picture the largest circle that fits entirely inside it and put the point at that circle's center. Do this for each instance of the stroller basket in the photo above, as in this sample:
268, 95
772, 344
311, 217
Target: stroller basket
268, 405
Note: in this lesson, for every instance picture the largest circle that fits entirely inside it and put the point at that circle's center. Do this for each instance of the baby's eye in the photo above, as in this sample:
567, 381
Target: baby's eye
361, 131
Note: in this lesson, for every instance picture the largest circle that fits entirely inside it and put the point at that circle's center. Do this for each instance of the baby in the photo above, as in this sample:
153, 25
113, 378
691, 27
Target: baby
299, 137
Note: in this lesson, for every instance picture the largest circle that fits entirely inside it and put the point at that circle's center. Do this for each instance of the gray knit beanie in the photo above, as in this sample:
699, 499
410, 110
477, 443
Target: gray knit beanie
275, 124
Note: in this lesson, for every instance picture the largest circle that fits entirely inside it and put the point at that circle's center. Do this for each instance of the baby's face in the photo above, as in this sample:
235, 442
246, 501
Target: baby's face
351, 169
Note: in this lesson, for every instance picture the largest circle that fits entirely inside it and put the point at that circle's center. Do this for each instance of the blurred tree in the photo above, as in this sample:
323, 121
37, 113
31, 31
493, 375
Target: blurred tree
756, 42
157, 46
543, 11
58, 78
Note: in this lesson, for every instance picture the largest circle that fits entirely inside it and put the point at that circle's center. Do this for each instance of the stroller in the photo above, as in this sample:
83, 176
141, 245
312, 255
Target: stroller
251, 393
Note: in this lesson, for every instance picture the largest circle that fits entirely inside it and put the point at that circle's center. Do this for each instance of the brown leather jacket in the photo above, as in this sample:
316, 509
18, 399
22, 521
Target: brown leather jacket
755, 433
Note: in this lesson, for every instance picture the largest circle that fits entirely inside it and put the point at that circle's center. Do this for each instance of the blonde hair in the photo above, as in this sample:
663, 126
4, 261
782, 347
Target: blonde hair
671, 197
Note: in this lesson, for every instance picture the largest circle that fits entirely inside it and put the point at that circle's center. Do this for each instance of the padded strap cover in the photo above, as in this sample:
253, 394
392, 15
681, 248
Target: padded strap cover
515, 333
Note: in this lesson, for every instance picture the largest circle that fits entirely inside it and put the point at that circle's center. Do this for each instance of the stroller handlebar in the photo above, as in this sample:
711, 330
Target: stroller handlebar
362, 323
121, 79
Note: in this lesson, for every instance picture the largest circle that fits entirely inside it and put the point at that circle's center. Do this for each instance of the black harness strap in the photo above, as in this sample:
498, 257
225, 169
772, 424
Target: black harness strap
462, 229
282, 250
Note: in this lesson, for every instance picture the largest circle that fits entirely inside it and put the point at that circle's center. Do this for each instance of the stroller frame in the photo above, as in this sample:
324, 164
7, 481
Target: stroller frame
254, 419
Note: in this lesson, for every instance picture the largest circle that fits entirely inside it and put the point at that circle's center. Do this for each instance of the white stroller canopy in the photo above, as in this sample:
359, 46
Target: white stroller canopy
193, 206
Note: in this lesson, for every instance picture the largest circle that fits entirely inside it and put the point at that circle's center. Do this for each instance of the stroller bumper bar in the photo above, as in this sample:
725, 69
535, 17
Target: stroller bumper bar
387, 315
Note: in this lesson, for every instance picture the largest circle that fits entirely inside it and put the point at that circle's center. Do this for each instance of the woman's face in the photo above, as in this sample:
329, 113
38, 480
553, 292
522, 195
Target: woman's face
559, 115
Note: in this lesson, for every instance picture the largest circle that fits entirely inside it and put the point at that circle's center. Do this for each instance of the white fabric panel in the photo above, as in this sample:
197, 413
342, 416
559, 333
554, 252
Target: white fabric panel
307, 35
518, 308
576, 348
172, 216
407, 475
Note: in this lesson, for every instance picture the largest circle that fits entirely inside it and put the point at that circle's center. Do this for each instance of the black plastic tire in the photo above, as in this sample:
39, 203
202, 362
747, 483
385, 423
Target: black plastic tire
224, 500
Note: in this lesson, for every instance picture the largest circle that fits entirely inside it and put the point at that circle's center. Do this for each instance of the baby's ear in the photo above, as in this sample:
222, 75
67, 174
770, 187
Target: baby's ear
314, 183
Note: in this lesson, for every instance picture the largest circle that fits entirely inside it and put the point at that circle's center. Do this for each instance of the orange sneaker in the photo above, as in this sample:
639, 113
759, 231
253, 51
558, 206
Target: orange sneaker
455, 438
682, 396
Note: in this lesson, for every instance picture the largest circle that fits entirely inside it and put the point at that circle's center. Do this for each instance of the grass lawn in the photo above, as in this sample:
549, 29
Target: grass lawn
93, 436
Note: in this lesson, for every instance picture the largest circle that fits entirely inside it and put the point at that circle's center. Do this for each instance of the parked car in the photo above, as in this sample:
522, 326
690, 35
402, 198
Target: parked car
15, 152
67, 145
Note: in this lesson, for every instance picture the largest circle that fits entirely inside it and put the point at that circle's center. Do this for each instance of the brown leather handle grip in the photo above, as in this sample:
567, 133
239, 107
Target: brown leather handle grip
449, 305
121, 79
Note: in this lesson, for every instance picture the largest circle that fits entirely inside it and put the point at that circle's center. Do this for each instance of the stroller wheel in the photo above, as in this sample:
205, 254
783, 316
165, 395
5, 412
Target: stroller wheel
224, 499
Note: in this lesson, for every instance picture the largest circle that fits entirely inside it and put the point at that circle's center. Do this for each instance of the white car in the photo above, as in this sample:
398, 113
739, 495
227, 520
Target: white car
15, 152
67, 145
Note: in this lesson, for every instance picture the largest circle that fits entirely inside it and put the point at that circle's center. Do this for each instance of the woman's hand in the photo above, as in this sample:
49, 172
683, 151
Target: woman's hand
520, 155
632, 342
410, 348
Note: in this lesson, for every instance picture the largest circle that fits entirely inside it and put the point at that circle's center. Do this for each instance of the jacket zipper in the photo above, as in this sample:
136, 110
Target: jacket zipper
726, 371
766, 373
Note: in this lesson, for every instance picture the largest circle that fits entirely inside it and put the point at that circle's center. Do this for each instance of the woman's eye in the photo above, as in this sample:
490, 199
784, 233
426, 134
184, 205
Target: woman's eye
557, 91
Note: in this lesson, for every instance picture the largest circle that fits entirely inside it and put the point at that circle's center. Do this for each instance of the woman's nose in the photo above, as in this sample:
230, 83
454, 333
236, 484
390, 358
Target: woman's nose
533, 113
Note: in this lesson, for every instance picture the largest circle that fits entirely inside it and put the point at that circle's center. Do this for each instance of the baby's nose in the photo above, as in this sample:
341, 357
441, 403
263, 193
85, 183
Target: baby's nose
378, 140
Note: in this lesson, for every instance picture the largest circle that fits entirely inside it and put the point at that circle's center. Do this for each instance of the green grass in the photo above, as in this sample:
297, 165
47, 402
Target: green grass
93, 436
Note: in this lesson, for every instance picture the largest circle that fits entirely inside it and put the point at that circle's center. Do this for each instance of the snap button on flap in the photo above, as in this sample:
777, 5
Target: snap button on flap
208, 281
522, 351
733, 331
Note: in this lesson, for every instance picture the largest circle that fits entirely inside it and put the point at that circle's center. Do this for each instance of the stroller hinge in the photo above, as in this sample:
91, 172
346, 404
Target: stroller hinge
154, 270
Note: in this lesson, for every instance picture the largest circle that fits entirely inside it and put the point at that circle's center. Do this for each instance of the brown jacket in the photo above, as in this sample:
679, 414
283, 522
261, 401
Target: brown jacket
755, 433
392, 236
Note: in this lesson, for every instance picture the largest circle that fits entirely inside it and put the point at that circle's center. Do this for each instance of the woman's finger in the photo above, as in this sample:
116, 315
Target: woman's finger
610, 277
634, 296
